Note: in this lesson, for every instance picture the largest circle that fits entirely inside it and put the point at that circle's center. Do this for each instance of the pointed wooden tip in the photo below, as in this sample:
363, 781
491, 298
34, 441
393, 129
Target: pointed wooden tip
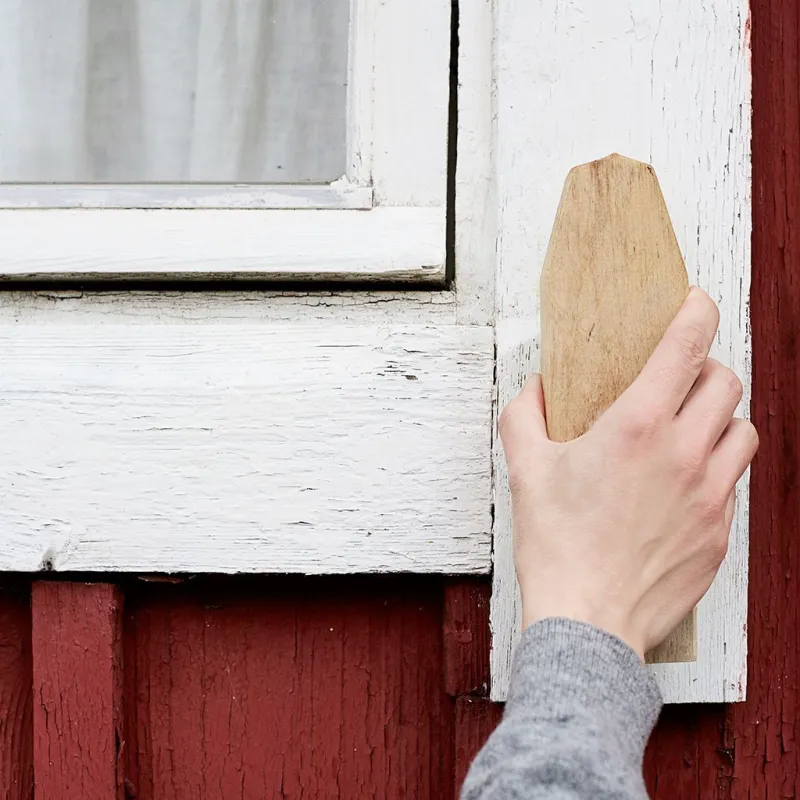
612, 162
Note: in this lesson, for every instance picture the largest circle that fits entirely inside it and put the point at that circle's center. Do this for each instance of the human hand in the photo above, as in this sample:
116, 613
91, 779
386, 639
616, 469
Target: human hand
626, 526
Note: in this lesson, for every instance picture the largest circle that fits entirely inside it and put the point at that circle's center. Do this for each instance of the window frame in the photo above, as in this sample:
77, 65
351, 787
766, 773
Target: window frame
397, 123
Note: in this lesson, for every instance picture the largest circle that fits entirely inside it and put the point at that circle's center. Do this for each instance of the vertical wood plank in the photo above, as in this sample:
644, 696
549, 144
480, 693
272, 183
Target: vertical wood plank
77, 689
256, 688
475, 719
466, 636
763, 735
16, 713
685, 757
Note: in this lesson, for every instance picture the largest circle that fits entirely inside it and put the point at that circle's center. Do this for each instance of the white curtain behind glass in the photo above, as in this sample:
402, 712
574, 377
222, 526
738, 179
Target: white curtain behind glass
173, 90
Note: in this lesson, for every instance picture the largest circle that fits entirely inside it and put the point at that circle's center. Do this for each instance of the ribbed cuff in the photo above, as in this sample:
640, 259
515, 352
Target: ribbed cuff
568, 668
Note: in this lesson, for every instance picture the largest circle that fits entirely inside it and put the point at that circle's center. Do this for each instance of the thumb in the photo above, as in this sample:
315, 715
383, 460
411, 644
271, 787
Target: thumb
524, 417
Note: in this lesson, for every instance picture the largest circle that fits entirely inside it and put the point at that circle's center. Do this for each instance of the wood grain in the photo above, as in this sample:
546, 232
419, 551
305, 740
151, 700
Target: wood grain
764, 734
466, 636
77, 686
268, 687
613, 279
667, 83
475, 719
246, 448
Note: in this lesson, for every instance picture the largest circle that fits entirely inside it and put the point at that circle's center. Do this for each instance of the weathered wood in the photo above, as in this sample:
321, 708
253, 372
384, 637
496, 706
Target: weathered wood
16, 709
763, 736
246, 448
266, 687
685, 758
749, 751
466, 636
613, 279
77, 688
475, 719
405, 244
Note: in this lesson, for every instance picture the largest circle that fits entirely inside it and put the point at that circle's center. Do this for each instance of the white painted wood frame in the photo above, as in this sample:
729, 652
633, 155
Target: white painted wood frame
228, 448
666, 82
339, 195
397, 112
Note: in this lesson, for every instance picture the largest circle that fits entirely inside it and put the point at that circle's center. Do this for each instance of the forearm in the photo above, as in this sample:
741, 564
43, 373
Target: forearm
581, 707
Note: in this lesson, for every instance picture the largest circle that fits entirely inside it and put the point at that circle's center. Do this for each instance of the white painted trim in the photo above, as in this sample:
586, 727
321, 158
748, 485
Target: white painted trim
393, 244
245, 448
338, 195
121, 305
668, 83
360, 91
410, 97
476, 184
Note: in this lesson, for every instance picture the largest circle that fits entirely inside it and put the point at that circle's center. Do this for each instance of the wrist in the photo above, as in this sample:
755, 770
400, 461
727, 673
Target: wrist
533, 612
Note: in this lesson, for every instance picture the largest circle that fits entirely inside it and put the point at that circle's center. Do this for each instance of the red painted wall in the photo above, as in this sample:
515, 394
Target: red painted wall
250, 687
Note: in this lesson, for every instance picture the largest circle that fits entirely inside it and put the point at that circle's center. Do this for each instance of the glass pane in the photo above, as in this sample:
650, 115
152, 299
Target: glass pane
173, 91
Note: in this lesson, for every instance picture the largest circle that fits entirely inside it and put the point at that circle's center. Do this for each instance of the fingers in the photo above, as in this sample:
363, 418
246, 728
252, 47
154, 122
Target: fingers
732, 455
730, 507
678, 359
524, 417
710, 405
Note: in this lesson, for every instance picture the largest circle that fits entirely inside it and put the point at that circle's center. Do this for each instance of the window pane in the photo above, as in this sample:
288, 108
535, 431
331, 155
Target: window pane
174, 91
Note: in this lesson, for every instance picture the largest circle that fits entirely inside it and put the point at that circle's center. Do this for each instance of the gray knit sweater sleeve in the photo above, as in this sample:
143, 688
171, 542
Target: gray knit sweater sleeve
580, 709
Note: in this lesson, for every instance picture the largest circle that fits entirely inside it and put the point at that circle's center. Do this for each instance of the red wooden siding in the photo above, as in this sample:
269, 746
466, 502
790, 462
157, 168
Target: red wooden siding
77, 690
254, 687
275, 688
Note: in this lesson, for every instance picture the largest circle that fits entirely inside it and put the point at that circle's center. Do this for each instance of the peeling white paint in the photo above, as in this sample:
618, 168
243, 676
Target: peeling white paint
245, 448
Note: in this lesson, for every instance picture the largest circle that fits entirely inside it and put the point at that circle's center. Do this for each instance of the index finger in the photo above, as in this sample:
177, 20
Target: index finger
675, 364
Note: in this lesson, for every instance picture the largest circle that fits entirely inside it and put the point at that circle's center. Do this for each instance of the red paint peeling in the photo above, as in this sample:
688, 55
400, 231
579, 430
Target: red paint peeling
748, 30
77, 690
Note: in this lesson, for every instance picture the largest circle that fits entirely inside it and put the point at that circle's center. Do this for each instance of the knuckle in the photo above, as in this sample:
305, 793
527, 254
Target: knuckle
639, 425
718, 545
750, 435
715, 550
711, 510
693, 346
692, 462
733, 386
